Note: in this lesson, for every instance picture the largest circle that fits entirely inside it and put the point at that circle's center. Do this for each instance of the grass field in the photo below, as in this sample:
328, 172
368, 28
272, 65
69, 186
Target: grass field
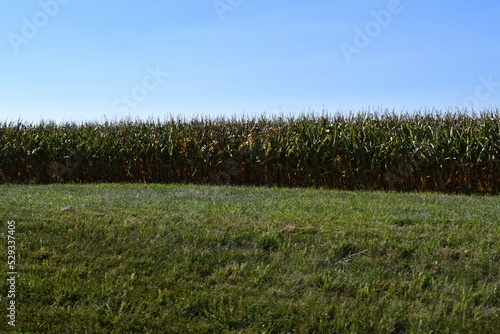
114, 258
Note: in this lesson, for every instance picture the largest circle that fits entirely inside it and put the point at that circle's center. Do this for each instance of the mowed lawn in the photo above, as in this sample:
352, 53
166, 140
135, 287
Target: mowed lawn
136, 258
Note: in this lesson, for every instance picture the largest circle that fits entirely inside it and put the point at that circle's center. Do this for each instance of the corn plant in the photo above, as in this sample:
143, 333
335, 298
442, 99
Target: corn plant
449, 152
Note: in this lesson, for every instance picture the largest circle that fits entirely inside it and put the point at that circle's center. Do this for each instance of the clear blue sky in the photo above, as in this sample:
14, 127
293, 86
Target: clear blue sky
72, 60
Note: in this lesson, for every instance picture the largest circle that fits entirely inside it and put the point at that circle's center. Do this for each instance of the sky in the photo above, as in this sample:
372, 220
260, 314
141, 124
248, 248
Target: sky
89, 60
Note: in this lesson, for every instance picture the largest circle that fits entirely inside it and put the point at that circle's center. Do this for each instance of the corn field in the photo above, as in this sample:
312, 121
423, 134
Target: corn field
448, 152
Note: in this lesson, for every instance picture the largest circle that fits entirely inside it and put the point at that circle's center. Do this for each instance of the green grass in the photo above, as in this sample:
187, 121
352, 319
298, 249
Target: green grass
199, 259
